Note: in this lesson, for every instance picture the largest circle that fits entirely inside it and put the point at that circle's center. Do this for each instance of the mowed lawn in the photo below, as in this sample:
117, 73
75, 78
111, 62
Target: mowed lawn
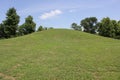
60, 54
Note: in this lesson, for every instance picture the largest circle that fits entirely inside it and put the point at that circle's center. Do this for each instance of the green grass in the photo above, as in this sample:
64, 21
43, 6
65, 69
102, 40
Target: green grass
60, 54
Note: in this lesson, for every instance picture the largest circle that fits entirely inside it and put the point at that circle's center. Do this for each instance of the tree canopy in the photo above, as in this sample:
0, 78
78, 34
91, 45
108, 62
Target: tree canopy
109, 28
40, 28
75, 26
89, 24
11, 22
106, 27
28, 27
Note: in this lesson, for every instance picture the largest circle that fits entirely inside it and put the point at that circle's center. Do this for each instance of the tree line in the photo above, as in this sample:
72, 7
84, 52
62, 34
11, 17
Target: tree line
106, 27
10, 28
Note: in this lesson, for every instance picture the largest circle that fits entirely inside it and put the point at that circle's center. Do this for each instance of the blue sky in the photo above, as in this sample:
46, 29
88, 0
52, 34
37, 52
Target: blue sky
61, 13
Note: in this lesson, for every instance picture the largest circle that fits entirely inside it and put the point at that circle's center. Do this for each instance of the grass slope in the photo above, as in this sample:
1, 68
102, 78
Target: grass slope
60, 55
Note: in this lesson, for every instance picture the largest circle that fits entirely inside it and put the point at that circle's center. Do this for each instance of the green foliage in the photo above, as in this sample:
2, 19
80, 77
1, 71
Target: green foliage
11, 22
28, 27
40, 28
106, 27
29, 24
60, 55
89, 24
109, 28
45, 28
50, 28
22, 30
2, 32
75, 26
9, 27
117, 30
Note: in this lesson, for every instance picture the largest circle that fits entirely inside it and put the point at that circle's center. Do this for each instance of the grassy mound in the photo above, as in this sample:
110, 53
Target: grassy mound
60, 54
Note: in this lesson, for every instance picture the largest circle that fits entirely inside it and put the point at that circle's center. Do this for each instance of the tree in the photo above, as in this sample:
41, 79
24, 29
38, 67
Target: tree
2, 32
107, 27
30, 24
50, 28
22, 30
40, 28
117, 30
89, 24
11, 22
75, 26
45, 28
28, 27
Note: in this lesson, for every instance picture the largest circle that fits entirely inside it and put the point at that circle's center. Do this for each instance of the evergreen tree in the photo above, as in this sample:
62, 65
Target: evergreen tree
28, 27
11, 22
2, 32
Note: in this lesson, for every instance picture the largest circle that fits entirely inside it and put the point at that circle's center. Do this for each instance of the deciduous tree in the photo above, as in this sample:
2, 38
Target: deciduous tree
75, 26
107, 27
89, 24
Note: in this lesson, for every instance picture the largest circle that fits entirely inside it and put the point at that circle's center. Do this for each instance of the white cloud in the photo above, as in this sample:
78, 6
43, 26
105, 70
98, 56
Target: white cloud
50, 14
